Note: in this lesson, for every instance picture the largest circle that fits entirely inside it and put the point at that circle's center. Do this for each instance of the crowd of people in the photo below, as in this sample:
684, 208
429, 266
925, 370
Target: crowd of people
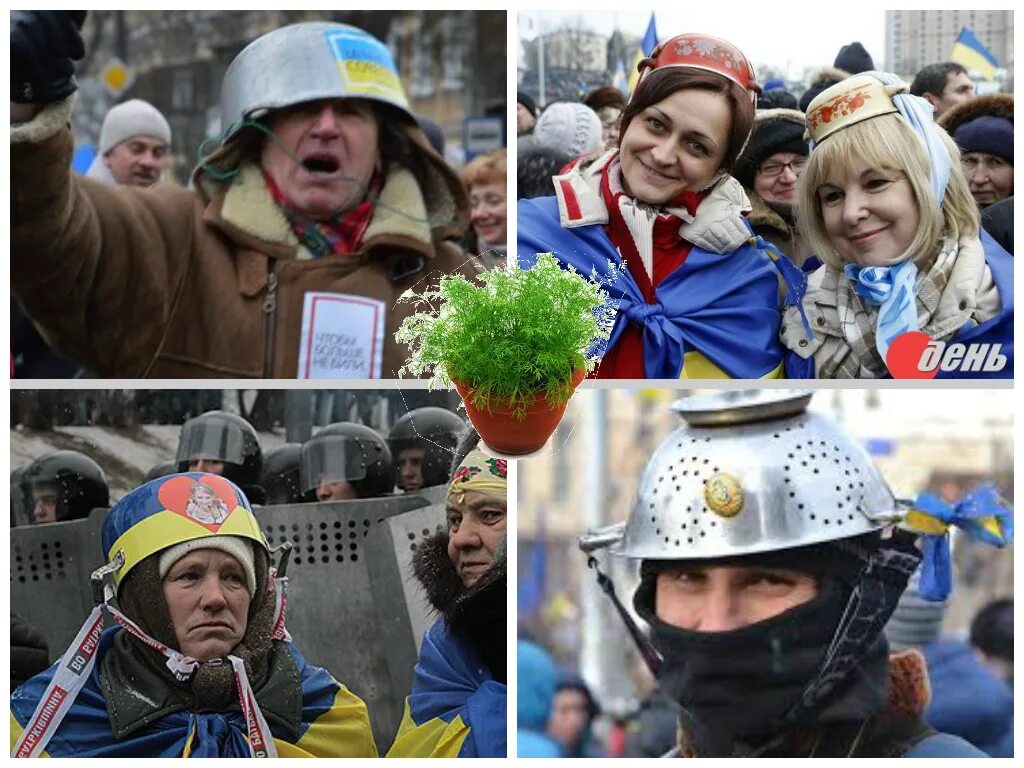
335, 186
794, 237
199, 603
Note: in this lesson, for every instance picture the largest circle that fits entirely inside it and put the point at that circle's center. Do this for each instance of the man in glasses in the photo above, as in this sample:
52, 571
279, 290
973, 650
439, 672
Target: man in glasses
768, 169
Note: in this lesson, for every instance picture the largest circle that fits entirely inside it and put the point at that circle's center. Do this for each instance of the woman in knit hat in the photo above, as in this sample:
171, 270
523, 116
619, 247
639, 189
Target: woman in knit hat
457, 706
983, 129
199, 663
771, 553
769, 170
885, 206
661, 221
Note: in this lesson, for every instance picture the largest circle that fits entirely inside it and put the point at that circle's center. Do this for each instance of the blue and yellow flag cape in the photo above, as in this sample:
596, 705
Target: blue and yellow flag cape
334, 722
716, 308
455, 709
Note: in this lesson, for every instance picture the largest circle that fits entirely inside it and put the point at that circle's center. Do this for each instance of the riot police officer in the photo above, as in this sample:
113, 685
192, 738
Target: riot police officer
346, 461
422, 444
64, 485
280, 478
162, 469
224, 444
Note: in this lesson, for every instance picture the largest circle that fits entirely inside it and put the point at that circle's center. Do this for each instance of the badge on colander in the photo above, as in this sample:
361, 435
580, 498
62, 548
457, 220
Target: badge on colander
723, 494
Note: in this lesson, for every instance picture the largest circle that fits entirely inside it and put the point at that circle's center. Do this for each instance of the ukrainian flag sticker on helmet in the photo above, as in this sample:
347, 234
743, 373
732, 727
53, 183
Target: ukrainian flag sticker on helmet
173, 509
365, 65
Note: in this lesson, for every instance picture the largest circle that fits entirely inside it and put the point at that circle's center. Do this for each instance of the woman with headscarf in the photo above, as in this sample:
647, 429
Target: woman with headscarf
661, 222
772, 553
457, 707
884, 204
199, 663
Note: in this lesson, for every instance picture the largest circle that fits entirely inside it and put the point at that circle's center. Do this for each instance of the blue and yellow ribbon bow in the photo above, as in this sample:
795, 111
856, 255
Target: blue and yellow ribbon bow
980, 514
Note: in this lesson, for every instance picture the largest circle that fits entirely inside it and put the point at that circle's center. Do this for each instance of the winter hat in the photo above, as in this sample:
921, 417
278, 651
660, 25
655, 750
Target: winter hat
235, 546
993, 135
773, 84
526, 101
854, 59
775, 130
916, 621
572, 128
133, 118
823, 79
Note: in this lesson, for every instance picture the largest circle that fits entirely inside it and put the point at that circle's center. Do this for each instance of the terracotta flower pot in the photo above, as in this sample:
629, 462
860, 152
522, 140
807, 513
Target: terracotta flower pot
501, 431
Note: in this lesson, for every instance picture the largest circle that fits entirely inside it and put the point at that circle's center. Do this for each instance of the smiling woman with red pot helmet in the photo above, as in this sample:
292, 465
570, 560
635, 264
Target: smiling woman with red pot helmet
198, 662
698, 295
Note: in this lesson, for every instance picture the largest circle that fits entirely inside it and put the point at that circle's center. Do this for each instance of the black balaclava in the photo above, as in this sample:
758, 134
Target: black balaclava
211, 687
741, 691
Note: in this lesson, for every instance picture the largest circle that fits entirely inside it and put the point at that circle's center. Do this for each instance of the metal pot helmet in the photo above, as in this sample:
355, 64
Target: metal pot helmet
307, 62
80, 483
699, 51
437, 432
163, 512
280, 478
351, 452
753, 472
222, 436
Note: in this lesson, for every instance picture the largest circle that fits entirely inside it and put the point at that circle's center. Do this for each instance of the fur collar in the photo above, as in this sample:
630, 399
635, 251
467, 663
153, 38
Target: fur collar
400, 214
992, 104
828, 75
762, 215
476, 614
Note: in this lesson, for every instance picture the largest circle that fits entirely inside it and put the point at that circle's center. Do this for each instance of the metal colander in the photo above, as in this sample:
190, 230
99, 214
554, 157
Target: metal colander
753, 472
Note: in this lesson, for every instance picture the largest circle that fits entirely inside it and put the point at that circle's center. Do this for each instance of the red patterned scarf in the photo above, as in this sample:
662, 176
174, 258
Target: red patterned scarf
338, 236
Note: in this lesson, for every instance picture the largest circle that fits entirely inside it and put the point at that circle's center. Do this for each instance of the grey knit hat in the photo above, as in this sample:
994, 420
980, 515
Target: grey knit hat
236, 546
569, 127
916, 621
133, 118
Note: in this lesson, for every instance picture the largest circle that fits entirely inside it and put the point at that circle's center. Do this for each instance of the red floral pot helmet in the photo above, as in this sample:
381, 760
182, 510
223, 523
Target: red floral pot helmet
700, 51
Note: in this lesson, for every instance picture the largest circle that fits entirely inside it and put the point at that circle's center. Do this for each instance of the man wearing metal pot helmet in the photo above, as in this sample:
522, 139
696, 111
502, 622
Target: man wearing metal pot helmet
771, 555
320, 205
198, 663
457, 706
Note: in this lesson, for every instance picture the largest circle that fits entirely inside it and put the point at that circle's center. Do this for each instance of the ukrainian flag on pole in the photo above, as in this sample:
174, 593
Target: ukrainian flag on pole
646, 46
969, 51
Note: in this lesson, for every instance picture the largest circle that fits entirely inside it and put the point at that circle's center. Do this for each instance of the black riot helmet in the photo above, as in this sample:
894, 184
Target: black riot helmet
70, 480
280, 478
224, 437
350, 452
161, 470
435, 432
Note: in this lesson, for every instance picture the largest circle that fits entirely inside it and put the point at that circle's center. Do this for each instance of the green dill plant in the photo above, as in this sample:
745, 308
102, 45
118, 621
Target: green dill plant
510, 334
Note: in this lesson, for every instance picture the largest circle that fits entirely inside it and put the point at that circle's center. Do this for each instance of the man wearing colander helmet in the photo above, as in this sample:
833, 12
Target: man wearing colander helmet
199, 631
320, 205
770, 561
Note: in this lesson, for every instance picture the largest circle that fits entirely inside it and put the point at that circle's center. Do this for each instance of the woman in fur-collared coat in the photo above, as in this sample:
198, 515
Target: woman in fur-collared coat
457, 706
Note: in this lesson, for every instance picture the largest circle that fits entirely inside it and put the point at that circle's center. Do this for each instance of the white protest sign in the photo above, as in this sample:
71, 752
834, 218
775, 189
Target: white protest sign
342, 337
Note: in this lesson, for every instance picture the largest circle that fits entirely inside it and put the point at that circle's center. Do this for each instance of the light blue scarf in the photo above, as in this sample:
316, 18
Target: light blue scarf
891, 289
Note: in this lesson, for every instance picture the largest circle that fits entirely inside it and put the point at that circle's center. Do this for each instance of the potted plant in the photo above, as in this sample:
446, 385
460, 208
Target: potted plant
515, 343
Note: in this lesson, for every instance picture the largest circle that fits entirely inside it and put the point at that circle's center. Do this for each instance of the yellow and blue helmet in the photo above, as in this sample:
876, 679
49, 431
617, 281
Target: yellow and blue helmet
175, 509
